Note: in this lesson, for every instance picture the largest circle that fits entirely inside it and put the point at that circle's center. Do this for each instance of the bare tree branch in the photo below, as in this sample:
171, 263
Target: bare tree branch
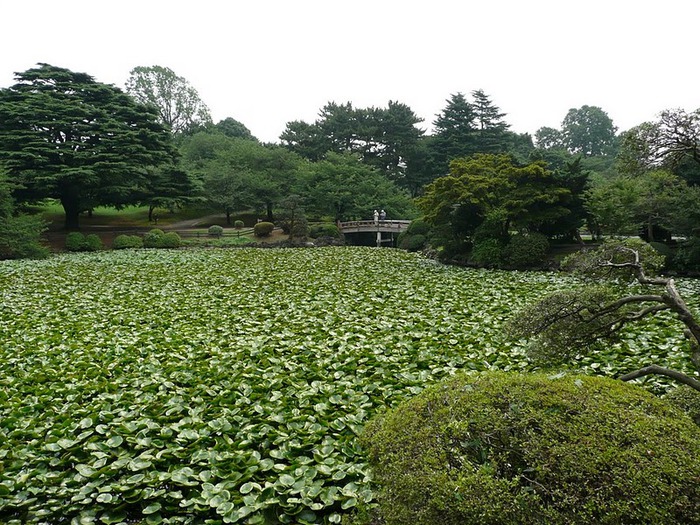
659, 370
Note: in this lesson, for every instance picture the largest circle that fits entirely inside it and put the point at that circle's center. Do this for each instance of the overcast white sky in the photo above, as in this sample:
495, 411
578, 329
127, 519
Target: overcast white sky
268, 62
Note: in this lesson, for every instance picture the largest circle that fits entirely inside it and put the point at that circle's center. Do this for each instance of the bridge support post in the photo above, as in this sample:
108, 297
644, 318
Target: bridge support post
379, 239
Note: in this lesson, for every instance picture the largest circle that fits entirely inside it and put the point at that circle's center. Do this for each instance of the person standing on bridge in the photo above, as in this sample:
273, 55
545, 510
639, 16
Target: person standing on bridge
376, 217
382, 215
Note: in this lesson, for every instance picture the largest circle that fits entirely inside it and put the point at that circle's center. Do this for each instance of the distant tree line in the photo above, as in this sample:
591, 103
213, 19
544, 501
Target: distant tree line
480, 188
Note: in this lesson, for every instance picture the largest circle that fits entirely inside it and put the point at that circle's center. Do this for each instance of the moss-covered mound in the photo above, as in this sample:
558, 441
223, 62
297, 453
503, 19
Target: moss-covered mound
535, 449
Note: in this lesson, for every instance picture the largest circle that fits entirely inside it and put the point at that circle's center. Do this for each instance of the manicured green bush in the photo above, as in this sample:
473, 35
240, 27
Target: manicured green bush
324, 229
170, 240
93, 243
263, 229
215, 230
122, 242
153, 239
238, 224
526, 250
506, 448
75, 242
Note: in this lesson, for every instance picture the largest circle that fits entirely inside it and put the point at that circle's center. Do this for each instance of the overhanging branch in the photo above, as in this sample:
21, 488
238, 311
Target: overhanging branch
659, 370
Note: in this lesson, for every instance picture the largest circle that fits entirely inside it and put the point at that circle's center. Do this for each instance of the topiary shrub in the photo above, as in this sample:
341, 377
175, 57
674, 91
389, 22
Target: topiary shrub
93, 243
215, 230
526, 250
324, 229
263, 229
238, 224
170, 240
75, 242
123, 242
507, 448
153, 239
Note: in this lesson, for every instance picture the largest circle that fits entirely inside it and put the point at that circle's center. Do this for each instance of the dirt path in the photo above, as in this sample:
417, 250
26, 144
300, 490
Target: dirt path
191, 223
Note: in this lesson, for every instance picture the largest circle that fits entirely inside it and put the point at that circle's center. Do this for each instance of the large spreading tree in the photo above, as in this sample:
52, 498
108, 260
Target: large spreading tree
63, 135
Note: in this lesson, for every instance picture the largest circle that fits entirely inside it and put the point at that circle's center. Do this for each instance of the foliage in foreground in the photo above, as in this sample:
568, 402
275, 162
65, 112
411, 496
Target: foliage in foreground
567, 322
526, 448
231, 385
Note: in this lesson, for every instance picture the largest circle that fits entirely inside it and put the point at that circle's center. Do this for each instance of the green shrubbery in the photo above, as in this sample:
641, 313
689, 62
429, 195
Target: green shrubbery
20, 237
511, 449
77, 242
122, 242
238, 224
687, 257
526, 250
415, 237
489, 253
324, 229
153, 238
263, 229
170, 240
215, 230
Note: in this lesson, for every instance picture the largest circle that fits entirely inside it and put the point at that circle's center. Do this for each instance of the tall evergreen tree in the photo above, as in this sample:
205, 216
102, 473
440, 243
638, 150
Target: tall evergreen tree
66, 136
455, 128
491, 136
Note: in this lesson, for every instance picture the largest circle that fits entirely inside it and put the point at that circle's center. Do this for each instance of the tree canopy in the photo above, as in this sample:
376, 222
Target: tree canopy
524, 197
177, 102
64, 135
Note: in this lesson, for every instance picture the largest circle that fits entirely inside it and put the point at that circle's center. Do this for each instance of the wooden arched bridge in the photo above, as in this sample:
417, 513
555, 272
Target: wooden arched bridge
379, 227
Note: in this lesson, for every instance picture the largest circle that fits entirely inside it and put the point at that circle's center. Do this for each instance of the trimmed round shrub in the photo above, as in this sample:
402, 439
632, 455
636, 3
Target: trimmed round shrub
526, 250
123, 242
238, 224
75, 242
93, 243
506, 448
170, 240
215, 230
153, 238
324, 229
263, 229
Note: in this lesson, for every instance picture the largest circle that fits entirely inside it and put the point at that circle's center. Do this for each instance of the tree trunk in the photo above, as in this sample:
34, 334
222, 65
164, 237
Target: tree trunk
269, 212
228, 217
71, 207
151, 207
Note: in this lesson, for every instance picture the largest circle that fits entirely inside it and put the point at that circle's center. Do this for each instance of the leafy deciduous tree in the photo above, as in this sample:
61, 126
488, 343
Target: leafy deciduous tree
589, 131
177, 102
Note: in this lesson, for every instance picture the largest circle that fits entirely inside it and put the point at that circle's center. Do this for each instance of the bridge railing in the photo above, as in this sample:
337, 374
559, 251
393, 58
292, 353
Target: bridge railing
371, 225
